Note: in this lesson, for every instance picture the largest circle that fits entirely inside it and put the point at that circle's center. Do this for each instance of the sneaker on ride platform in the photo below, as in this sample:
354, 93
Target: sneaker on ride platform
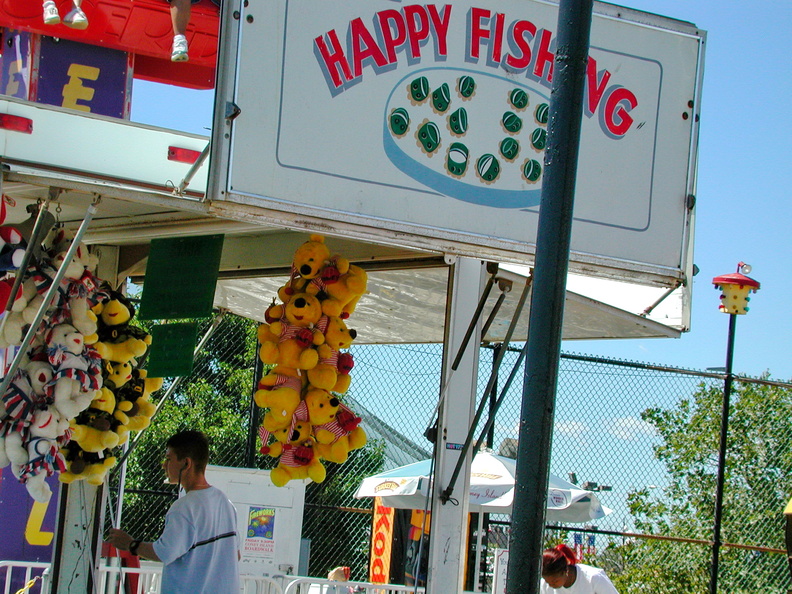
179, 53
76, 19
51, 16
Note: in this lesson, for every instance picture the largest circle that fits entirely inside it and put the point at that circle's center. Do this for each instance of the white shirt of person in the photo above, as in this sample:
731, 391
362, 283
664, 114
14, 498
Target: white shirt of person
590, 580
199, 545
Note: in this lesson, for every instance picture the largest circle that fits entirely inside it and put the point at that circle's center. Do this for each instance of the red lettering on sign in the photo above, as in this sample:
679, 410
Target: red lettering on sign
378, 572
523, 58
334, 58
544, 57
383, 520
363, 47
379, 544
394, 33
617, 111
417, 28
596, 88
477, 31
440, 24
497, 41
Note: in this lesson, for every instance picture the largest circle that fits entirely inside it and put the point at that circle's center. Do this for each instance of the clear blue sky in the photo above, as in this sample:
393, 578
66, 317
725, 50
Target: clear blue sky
744, 207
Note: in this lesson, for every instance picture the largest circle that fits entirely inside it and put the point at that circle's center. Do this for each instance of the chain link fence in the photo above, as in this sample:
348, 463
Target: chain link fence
644, 438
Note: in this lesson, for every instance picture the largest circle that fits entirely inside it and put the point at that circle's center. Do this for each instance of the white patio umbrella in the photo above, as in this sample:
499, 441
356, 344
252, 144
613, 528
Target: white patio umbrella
491, 490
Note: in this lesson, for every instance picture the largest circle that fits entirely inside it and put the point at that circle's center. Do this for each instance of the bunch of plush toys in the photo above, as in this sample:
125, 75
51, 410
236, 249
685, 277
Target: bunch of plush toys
304, 342
123, 404
63, 407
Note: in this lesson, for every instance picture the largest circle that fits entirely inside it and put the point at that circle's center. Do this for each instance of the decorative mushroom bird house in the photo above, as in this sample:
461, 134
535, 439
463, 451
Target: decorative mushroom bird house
736, 289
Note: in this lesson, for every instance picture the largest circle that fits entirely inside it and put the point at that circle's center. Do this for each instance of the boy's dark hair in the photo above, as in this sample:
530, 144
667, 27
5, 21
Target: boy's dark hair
193, 445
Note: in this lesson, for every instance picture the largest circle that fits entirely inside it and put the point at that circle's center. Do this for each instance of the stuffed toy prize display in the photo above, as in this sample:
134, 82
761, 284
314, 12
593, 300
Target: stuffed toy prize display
305, 341
78, 391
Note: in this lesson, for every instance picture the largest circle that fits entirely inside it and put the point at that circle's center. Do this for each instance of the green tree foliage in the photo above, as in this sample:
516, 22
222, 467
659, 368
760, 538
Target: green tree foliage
215, 399
338, 535
757, 487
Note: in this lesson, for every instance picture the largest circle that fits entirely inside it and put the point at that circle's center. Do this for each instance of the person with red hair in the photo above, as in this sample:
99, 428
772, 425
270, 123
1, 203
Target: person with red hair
562, 574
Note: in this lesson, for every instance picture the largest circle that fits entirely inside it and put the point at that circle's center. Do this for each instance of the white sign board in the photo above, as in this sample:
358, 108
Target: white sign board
427, 124
269, 518
500, 571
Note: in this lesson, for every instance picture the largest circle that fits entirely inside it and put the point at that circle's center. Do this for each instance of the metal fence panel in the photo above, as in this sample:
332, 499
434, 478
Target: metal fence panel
606, 433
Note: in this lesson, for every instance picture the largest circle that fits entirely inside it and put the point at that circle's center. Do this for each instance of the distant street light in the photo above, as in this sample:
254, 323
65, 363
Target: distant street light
735, 290
591, 486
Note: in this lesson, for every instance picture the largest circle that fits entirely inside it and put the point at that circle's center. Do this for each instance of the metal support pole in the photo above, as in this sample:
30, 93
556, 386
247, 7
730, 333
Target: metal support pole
788, 540
445, 496
493, 395
547, 302
44, 219
490, 422
250, 449
431, 431
724, 435
447, 548
193, 170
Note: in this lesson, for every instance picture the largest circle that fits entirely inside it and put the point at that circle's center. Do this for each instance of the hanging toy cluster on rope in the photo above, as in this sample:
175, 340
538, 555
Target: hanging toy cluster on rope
123, 403
61, 415
305, 341
60, 372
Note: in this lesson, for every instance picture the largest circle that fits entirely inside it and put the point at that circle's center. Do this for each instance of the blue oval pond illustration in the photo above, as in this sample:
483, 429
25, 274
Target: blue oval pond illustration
443, 166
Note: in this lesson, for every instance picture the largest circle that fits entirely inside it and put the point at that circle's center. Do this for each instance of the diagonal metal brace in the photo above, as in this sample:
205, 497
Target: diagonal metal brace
492, 268
445, 496
179, 191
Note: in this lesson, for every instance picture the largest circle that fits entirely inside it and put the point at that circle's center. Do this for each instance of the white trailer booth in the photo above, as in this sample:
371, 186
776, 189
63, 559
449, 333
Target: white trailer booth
305, 139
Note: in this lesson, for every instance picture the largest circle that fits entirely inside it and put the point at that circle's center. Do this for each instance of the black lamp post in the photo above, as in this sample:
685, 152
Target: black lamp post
736, 289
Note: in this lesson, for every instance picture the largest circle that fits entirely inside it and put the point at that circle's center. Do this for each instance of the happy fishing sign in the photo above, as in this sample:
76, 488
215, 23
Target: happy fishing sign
431, 119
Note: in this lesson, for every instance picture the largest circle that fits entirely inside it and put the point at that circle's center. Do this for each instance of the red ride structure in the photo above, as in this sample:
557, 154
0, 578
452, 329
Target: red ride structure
139, 28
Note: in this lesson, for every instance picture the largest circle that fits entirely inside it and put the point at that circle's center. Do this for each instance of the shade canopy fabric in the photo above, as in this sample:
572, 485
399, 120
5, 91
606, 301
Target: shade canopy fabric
408, 306
491, 490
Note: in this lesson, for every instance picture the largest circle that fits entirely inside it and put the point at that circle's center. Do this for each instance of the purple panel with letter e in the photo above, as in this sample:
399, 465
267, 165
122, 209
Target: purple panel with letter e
84, 77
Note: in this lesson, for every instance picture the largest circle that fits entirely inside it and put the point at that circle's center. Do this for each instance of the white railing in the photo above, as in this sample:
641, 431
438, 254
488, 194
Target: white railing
6, 567
148, 581
256, 584
309, 585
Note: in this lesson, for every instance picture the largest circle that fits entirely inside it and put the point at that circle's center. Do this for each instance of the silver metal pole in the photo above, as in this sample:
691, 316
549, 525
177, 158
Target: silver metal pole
193, 170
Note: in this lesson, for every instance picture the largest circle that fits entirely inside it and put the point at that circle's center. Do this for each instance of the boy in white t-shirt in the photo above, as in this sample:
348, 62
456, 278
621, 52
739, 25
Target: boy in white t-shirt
199, 545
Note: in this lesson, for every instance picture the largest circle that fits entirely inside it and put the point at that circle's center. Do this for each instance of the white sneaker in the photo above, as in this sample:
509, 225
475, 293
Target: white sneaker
51, 16
179, 53
76, 19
